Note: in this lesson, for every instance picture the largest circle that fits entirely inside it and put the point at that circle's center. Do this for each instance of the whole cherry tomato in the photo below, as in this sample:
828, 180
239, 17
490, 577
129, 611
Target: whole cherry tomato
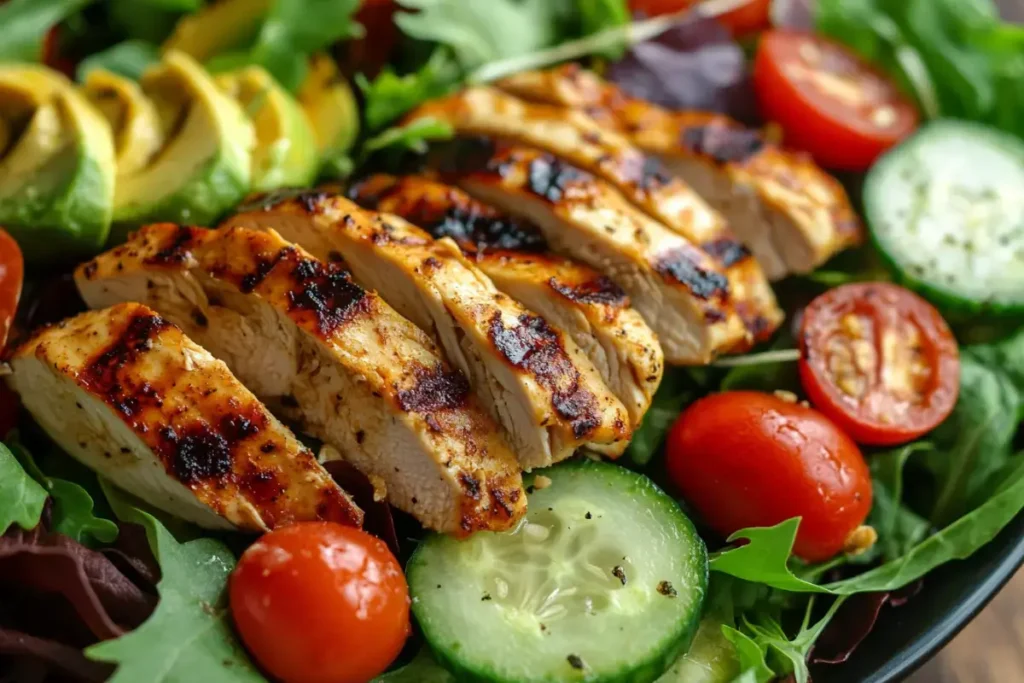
879, 361
318, 602
745, 459
12, 276
828, 101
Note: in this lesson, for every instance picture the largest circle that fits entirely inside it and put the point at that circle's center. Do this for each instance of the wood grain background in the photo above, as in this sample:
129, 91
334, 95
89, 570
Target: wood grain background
990, 649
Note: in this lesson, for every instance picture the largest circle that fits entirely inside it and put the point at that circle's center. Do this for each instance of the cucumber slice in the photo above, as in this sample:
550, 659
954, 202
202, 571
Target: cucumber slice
603, 581
946, 210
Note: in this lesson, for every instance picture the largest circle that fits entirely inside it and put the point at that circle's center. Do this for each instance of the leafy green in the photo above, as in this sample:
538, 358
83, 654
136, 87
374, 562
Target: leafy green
957, 56
413, 136
26, 22
389, 95
21, 497
789, 656
675, 392
764, 559
751, 655
975, 442
129, 59
189, 636
598, 15
141, 20
422, 669
899, 528
73, 507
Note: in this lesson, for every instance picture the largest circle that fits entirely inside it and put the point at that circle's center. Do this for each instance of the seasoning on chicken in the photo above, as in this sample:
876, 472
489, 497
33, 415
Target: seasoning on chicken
332, 357
678, 289
577, 139
533, 378
791, 214
129, 395
575, 298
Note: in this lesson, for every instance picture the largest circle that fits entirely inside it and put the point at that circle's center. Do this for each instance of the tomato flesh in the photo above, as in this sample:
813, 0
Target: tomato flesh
879, 361
828, 101
12, 276
320, 602
746, 18
745, 459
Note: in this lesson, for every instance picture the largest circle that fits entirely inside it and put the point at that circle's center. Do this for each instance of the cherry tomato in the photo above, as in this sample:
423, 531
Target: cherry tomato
12, 274
828, 101
747, 17
371, 52
321, 602
745, 459
880, 361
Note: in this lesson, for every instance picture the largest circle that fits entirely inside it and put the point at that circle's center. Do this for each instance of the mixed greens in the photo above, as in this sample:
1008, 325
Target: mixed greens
239, 96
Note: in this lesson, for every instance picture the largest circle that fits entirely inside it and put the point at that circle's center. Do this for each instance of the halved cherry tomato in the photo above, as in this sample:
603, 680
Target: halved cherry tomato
319, 602
828, 101
745, 459
880, 361
748, 16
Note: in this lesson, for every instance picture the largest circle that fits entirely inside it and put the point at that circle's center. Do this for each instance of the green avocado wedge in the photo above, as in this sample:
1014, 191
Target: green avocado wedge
330, 104
57, 166
203, 168
286, 153
138, 134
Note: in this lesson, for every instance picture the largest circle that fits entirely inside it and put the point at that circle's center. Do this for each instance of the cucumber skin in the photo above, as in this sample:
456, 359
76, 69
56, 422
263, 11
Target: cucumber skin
954, 308
647, 671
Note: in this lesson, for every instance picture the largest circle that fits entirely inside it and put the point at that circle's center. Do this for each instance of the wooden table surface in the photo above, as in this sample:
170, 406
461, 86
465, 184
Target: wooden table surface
990, 649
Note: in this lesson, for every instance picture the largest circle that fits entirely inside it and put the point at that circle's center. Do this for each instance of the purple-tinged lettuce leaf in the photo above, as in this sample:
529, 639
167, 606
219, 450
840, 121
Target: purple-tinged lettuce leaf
694, 65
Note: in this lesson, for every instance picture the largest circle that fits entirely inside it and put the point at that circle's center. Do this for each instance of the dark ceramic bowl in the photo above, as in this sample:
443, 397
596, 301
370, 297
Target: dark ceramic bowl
904, 638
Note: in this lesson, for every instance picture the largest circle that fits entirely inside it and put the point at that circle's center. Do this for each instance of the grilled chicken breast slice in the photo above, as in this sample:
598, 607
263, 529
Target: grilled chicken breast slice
129, 395
534, 379
678, 289
332, 357
642, 179
575, 298
791, 214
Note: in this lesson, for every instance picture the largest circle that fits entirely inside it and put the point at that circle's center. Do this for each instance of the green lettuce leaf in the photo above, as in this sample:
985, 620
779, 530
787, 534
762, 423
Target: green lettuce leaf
764, 558
899, 528
189, 636
26, 22
412, 137
674, 393
128, 59
389, 96
21, 496
73, 507
422, 669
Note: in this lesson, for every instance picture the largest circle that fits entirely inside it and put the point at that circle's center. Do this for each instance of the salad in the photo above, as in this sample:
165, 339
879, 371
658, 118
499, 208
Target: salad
509, 341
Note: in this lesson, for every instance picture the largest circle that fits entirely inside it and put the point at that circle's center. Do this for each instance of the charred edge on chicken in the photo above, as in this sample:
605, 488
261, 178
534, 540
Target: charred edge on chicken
176, 251
534, 346
267, 201
601, 290
437, 388
449, 213
722, 143
678, 265
327, 291
646, 172
727, 250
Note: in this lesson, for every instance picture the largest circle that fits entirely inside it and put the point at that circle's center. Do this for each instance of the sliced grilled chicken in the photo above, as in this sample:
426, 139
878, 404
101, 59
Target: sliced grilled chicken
129, 395
678, 289
791, 214
332, 357
587, 305
534, 379
642, 179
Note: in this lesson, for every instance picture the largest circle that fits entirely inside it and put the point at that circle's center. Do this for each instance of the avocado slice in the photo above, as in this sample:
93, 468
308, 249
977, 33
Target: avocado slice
286, 152
329, 103
219, 27
56, 168
138, 134
203, 168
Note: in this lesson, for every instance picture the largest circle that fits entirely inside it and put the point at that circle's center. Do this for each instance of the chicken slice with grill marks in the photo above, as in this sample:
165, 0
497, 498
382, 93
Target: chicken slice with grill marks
129, 395
642, 179
678, 289
791, 214
533, 378
334, 358
587, 305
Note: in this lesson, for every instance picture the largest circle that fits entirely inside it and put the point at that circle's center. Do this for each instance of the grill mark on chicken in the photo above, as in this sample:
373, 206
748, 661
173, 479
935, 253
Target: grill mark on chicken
534, 346
679, 266
327, 291
646, 172
101, 374
727, 250
199, 453
472, 225
723, 144
268, 201
551, 178
600, 290
436, 389
176, 252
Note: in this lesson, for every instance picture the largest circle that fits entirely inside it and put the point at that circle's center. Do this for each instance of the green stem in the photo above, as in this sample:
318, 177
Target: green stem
766, 358
628, 34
